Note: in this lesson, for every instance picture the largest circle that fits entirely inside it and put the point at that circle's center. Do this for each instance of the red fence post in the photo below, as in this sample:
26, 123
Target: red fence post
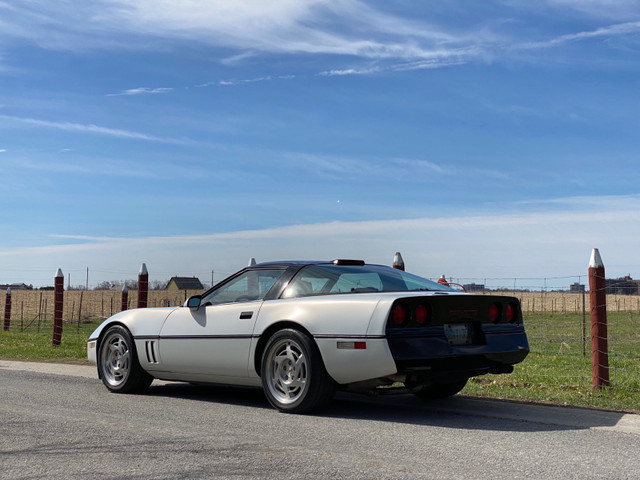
125, 298
143, 286
7, 310
598, 302
398, 262
57, 308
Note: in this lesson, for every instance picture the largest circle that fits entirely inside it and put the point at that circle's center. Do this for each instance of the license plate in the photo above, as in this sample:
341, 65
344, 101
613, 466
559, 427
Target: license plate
458, 333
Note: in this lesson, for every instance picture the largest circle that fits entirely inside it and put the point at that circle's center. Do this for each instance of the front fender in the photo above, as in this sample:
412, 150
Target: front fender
140, 322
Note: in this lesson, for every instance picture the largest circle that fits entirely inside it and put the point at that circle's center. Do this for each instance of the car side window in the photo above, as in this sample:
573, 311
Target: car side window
246, 287
357, 282
320, 280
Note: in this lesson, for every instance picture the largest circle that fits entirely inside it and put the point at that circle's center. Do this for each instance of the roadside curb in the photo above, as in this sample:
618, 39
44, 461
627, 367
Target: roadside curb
85, 371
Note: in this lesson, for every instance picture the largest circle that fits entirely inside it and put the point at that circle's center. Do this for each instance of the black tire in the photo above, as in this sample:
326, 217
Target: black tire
294, 378
441, 389
118, 364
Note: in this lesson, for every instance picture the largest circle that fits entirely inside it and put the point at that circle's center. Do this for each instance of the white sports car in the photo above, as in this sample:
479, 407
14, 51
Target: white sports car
301, 330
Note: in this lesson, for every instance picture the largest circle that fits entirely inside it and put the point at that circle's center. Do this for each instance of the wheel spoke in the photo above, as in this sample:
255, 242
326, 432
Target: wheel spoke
124, 360
279, 361
300, 363
289, 353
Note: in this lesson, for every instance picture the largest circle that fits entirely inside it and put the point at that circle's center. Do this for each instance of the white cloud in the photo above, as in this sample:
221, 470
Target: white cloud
541, 244
616, 9
347, 71
90, 167
350, 28
620, 29
334, 166
321, 26
93, 129
140, 91
342, 27
266, 78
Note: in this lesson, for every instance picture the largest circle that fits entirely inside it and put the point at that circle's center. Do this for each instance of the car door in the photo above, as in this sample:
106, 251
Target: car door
212, 340
215, 339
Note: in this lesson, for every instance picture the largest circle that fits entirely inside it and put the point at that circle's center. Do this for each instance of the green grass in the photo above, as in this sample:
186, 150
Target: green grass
33, 346
557, 371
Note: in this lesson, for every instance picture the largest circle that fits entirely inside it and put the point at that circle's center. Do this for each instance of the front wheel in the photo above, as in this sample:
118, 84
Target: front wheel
118, 363
294, 378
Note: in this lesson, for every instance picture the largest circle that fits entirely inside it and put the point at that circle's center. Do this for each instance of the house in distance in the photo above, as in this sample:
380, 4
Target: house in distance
184, 283
15, 286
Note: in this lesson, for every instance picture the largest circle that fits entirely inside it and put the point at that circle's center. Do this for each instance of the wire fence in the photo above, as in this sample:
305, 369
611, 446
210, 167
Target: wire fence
555, 295
557, 322
33, 308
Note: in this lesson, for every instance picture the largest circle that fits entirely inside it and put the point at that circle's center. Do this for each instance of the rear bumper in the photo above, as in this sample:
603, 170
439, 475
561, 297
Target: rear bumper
430, 353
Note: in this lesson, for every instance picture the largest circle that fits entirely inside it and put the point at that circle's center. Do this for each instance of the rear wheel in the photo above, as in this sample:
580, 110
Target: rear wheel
294, 378
118, 363
441, 389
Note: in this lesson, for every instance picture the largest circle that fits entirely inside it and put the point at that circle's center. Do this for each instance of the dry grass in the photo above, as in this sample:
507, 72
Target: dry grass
565, 303
29, 306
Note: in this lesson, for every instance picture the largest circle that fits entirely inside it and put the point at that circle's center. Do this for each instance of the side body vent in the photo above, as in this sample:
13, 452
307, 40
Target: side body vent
151, 348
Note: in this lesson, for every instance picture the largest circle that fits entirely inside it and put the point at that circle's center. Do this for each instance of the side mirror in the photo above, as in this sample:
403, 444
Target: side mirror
193, 302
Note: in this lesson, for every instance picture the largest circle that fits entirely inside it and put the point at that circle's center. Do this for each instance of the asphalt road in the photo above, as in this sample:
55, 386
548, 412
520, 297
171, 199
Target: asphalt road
58, 421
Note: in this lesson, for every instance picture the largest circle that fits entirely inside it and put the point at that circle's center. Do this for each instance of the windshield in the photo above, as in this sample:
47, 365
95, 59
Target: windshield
333, 279
248, 286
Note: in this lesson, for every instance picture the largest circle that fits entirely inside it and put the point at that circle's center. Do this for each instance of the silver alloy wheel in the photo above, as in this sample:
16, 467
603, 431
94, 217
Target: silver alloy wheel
287, 371
115, 359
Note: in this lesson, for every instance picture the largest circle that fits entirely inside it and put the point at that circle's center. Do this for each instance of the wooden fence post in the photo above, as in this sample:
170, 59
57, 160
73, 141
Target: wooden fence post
7, 310
125, 298
143, 286
57, 310
598, 303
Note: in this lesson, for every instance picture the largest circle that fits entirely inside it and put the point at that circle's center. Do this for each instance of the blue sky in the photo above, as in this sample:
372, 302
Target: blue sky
481, 139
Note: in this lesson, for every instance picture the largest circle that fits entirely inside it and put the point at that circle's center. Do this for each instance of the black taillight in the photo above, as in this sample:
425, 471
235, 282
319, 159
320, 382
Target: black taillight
422, 314
495, 312
400, 315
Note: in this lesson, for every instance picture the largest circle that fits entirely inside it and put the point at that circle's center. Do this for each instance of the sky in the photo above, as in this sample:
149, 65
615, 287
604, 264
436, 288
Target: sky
494, 141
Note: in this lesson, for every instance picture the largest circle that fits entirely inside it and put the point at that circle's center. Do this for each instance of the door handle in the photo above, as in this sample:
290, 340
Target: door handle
246, 315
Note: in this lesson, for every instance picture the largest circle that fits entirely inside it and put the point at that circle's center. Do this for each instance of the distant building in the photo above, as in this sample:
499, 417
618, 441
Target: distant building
16, 286
184, 283
474, 287
622, 286
576, 288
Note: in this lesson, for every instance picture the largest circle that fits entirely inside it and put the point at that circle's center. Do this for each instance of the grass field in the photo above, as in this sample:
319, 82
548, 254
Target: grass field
35, 346
558, 369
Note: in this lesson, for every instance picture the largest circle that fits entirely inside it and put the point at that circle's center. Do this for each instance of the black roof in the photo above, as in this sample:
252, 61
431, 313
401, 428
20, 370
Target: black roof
300, 263
289, 263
